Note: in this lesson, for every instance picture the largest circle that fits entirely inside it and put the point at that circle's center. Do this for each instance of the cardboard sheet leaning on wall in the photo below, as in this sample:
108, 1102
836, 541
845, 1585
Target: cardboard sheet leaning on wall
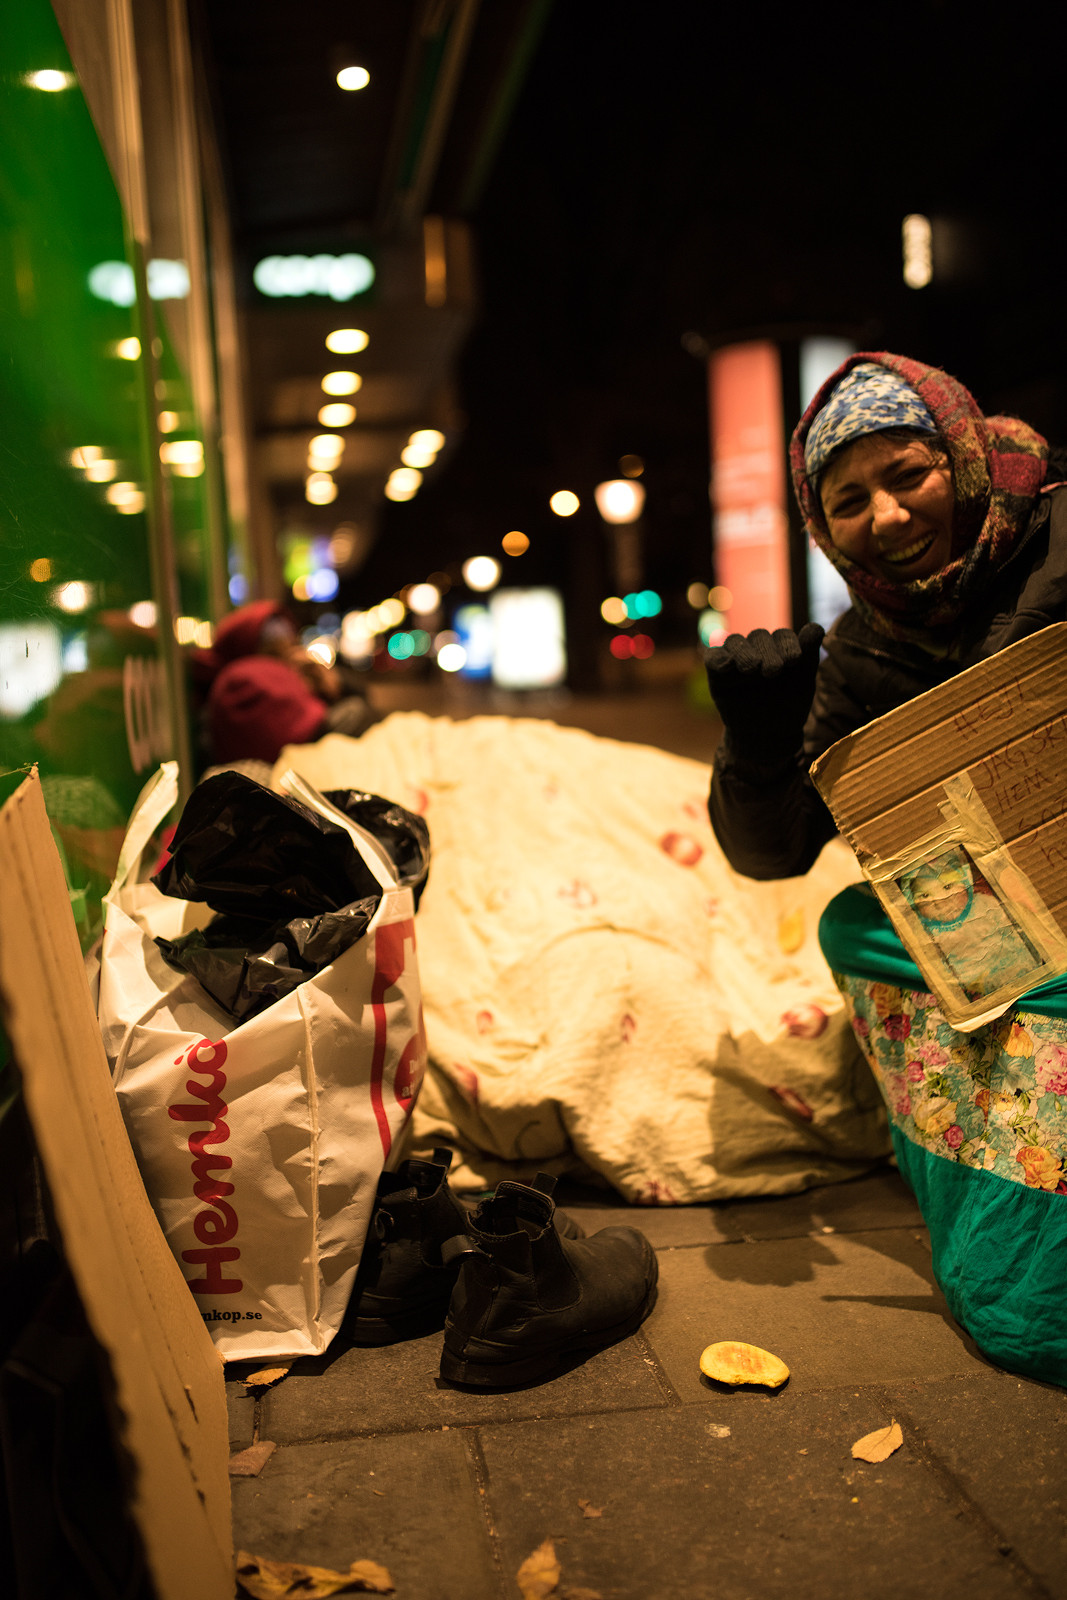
956, 807
168, 1378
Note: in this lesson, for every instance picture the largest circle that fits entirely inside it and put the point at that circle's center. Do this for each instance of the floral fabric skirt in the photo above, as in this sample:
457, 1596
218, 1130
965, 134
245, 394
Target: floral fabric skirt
979, 1126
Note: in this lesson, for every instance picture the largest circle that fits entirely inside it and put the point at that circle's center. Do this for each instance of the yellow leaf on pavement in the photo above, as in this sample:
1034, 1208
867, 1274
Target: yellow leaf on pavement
265, 1376
731, 1362
539, 1573
275, 1580
879, 1445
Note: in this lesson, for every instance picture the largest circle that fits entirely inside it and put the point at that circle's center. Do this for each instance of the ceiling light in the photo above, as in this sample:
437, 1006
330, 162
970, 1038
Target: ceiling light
73, 597
353, 78
84, 455
412, 456
564, 503
427, 439
127, 498
342, 383
340, 277
101, 471
515, 544
143, 614
917, 236
128, 349
347, 341
481, 572
423, 598
168, 421
181, 452
327, 444
338, 415
167, 280
403, 483
320, 489
113, 281
620, 500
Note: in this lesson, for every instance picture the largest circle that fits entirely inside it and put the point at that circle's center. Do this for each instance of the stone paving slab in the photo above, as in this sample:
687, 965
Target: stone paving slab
426, 1523
840, 1310
881, 1199
776, 1508
397, 1388
240, 1406
1005, 1440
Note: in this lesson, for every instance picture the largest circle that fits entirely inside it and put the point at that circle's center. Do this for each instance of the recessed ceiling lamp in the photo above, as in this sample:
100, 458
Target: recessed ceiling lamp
339, 415
347, 341
353, 78
342, 383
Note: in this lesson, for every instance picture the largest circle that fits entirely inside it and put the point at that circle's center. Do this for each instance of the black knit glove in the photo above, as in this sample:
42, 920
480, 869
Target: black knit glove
763, 687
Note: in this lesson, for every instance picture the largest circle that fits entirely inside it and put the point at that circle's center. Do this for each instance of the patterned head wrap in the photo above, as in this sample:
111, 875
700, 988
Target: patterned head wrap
998, 467
868, 399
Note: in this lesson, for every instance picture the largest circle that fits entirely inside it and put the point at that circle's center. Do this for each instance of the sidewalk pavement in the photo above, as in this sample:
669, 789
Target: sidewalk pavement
702, 1492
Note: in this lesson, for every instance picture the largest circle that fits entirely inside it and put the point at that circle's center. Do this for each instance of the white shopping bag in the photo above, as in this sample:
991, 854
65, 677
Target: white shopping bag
261, 1143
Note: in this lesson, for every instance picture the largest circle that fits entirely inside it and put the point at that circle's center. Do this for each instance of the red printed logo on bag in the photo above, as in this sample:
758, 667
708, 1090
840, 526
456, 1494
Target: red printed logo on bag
216, 1225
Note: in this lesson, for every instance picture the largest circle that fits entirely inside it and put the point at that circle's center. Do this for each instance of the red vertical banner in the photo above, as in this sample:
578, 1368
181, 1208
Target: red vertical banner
748, 484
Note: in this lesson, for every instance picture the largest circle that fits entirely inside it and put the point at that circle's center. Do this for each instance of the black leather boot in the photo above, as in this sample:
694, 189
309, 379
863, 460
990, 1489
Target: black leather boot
412, 1253
527, 1297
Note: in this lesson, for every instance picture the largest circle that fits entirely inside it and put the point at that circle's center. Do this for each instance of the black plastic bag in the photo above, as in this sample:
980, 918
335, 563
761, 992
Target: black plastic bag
291, 888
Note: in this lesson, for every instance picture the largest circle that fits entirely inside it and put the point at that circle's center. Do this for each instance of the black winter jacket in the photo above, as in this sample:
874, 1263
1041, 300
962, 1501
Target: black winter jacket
769, 819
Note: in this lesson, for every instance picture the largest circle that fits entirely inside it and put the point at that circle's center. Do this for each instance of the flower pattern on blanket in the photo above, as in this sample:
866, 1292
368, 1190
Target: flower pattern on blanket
995, 1098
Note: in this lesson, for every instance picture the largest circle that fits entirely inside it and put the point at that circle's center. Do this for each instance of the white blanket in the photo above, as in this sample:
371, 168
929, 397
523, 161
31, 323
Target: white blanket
603, 994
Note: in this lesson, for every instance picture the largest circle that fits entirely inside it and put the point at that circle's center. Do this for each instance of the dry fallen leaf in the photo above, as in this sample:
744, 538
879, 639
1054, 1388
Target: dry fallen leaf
250, 1463
539, 1573
264, 1377
879, 1445
590, 1510
273, 1580
730, 1362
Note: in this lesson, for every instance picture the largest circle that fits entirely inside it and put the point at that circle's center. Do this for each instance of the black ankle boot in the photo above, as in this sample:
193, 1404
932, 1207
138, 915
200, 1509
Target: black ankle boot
411, 1256
526, 1297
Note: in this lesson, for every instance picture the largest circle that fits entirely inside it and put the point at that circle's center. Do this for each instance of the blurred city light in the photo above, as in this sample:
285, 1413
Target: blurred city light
342, 383
339, 277
127, 498
353, 78
564, 503
622, 646
320, 489
420, 641
697, 595
85, 455
50, 80
411, 456
101, 471
41, 569
168, 421
528, 638
128, 349
614, 610
31, 665
427, 439
515, 543
338, 415
143, 614
643, 646
401, 646
475, 629
347, 341
645, 604
619, 500
403, 483
184, 456
390, 613
237, 589
323, 584
631, 466
423, 598
191, 630
342, 545
330, 445
711, 626
452, 657
167, 280
917, 236
113, 281
73, 597
720, 597
323, 650
481, 573
357, 640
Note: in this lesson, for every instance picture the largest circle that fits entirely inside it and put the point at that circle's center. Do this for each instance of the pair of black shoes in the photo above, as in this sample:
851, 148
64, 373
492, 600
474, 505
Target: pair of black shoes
516, 1284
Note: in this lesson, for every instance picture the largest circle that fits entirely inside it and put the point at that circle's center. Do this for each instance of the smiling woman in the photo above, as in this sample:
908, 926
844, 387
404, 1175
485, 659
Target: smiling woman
950, 529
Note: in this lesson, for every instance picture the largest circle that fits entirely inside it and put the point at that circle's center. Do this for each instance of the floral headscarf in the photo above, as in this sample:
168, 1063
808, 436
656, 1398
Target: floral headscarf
998, 467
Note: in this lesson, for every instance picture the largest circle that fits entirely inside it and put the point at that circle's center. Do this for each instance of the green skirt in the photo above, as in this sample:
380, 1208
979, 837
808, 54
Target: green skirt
979, 1124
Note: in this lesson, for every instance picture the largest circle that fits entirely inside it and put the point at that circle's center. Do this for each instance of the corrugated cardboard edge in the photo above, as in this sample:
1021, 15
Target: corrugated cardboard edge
168, 1377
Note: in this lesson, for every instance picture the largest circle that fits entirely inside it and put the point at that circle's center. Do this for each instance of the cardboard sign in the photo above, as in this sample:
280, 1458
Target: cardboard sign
168, 1378
956, 807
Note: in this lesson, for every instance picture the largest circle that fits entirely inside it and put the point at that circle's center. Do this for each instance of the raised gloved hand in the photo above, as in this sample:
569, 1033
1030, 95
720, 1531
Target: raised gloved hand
763, 686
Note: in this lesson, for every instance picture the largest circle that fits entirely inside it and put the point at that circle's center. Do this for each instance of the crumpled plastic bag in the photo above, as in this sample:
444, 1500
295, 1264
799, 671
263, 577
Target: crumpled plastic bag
291, 889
